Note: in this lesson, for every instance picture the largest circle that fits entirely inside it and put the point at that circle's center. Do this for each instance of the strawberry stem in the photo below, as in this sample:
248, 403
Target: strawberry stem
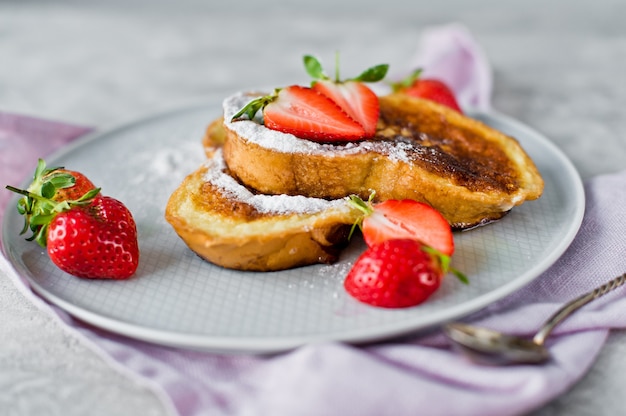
445, 262
407, 81
314, 69
39, 210
365, 207
255, 105
22, 192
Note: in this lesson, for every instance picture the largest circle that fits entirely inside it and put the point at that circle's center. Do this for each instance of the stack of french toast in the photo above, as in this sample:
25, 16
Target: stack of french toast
268, 200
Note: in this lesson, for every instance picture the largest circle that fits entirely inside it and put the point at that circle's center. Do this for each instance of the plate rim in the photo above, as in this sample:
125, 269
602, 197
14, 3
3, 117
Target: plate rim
251, 344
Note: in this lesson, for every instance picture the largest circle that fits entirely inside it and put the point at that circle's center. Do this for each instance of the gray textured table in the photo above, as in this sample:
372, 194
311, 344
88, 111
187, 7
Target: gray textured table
558, 67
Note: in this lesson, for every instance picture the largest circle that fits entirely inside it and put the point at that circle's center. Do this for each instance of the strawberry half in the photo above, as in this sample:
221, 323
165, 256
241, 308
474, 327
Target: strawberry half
394, 274
305, 113
429, 89
356, 99
405, 218
352, 95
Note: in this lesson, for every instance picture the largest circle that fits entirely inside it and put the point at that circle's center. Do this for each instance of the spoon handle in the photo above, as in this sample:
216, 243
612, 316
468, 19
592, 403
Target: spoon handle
576, 304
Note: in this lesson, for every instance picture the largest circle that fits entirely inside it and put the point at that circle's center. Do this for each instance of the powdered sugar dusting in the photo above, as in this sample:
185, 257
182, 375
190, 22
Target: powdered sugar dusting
269, 204
256, 132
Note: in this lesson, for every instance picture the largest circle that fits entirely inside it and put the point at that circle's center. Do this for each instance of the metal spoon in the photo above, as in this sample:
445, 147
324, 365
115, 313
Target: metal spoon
486, 346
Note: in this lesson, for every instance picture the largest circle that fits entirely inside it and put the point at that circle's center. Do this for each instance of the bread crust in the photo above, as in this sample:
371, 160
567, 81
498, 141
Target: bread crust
236, 234
470, 172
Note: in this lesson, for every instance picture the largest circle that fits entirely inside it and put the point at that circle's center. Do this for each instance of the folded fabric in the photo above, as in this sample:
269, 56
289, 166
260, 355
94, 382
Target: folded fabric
402, 377
451, 54
417, 374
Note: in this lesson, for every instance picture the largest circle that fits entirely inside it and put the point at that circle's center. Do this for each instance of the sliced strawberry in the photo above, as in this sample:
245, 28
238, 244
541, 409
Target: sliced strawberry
331, 111
396, 273
429, 89
406, 218
305, 113
308, 114
352, 95
356, 99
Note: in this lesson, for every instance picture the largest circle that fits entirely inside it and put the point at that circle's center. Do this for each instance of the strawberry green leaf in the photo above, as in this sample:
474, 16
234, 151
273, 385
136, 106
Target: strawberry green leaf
40, 236
314, 68
445, 261
40, 169
255, 105
373, 74
22, 206
62, 180
365, 207
39, 210
48, 189
86, 198
408, 81
42, 219
462, 278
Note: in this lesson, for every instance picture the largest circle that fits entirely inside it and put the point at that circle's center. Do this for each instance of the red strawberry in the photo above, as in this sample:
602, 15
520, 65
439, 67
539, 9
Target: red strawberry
80, 185
406, 218
95, 241
304, 113
59, 184
86, 234
356, 99
429, 89
394, 274
352, 95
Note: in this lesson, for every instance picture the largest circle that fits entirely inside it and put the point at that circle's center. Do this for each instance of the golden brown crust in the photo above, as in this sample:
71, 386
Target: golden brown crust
470, 172
214, 136
235, 234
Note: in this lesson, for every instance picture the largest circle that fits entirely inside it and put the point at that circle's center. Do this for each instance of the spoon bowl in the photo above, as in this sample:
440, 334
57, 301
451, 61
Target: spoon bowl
486, 346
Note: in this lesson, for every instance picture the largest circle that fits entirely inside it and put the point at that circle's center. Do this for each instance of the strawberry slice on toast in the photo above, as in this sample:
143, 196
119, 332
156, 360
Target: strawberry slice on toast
305, 113
352, 95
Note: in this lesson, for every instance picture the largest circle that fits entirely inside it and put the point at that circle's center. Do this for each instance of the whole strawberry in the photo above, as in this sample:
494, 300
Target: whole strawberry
395, 274
86, 234
98, 240
429, 89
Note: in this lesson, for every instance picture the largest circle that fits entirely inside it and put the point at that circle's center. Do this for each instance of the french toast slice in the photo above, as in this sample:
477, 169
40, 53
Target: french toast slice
470, 172
230, 226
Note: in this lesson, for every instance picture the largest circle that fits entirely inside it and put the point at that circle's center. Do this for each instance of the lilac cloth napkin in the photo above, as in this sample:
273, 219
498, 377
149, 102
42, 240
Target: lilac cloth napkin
417, 374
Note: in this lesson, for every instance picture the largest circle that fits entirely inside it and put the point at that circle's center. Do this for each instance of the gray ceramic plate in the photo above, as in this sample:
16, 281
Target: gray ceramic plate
179, 300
